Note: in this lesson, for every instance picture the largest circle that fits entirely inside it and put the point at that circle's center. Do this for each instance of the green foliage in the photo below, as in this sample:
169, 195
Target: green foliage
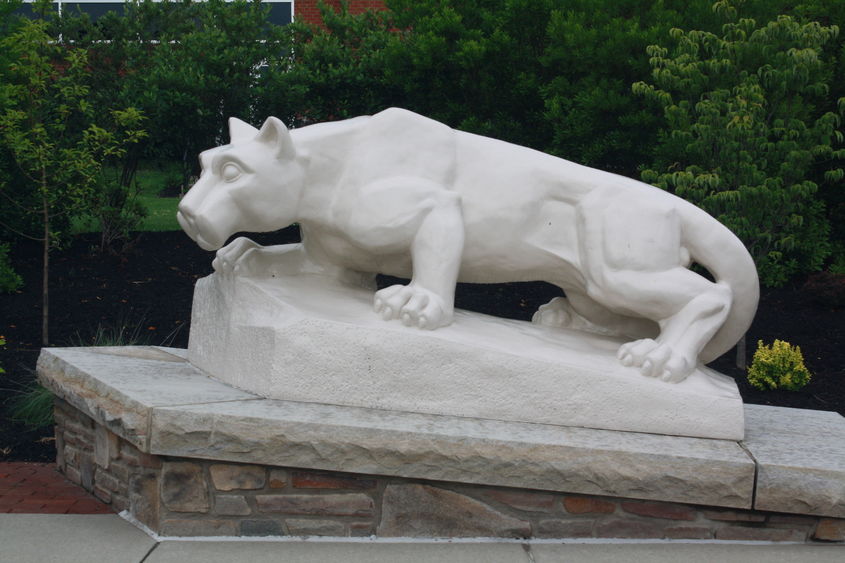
187, 65
32, 406
550, 74
116, 204
41, 127
332, 72
474, 64
780, 366
49, 131
596, 50
744, 136
121, 333
9, 279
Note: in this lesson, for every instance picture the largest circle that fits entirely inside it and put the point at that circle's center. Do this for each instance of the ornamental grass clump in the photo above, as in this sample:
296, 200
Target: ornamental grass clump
779, 366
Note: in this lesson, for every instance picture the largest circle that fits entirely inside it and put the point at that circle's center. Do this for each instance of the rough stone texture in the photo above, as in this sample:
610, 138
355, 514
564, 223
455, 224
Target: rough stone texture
508, 454
261, 528
830, 529
137, 479
358, 503
744, 533
801, 460
424, 511
586, 505
312, 480
119, 386
688, 533
278, 478
228, 477
734, 515
106, 480
106, 447
564, 528
629, 529
210, 422
532, 502
352, 504
183, 487
303, 527
231, 505
660, 510
208, 527
260, 335
144, 499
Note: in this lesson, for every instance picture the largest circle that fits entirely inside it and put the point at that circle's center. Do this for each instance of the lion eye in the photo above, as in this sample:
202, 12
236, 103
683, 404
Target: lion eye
230, 172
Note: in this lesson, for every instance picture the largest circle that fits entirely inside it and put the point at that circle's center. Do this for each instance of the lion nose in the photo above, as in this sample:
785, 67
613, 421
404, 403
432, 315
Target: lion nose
187, 221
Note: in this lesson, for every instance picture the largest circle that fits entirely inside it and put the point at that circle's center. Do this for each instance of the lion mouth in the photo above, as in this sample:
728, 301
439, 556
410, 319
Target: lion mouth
204, 244
189, 225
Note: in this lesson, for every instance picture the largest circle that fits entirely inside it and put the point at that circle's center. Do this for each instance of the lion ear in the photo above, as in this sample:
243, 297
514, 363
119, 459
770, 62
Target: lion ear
240, 131
275, 134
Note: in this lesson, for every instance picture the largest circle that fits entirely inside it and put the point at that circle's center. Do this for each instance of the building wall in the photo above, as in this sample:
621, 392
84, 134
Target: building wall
304, 10
308, 10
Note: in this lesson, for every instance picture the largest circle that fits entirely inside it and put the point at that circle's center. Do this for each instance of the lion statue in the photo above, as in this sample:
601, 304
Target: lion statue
399, 194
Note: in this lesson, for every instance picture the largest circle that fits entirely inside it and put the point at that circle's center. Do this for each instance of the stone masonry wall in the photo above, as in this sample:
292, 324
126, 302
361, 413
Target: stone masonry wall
190, 497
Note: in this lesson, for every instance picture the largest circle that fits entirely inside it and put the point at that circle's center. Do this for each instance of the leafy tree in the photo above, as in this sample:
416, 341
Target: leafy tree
331, 72
9, 279
595, 51
743, 134
473, 64
115, 203
203, 70
187, 65
49, 131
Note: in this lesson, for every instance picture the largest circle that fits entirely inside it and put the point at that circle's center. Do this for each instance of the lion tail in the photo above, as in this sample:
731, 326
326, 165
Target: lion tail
715, 247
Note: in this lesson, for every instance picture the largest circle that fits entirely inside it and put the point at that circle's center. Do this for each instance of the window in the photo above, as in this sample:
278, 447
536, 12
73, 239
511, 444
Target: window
281, 11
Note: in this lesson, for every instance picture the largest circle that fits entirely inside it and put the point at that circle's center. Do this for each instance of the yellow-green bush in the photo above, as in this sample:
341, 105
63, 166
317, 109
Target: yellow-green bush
779, 366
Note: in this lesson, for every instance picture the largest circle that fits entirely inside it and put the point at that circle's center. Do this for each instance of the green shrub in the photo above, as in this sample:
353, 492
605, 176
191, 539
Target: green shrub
780, 366
33, 406
9, 279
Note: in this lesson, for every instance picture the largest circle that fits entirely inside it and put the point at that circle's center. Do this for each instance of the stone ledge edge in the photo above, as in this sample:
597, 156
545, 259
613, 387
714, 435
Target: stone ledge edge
147, 446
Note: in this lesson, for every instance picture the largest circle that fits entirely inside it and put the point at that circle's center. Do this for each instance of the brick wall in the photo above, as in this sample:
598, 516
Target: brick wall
189, 497
307, 10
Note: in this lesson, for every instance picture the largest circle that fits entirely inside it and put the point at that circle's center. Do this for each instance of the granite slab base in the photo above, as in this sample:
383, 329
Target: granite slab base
311, 339
188, 455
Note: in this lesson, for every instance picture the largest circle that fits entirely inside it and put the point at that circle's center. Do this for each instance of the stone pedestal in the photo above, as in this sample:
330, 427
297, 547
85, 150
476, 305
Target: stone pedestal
187, 455
309, 339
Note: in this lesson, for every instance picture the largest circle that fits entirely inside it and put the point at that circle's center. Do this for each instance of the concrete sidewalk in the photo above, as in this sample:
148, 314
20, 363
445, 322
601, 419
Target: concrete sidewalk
48, 538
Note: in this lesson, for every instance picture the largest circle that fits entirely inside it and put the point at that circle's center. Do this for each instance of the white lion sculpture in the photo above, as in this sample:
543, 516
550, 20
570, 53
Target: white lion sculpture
400, 194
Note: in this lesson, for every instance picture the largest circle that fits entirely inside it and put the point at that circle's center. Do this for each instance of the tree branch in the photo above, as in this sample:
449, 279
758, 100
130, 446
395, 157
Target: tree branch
19, 233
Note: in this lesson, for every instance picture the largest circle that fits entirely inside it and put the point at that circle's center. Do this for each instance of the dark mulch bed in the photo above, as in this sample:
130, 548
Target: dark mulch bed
150, 290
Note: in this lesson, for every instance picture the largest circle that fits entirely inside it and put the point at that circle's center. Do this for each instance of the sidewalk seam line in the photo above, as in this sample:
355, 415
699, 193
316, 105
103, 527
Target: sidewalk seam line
153, 548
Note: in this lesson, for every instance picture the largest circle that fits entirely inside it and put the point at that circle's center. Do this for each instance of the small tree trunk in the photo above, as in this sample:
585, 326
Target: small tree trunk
45, 271
741, 353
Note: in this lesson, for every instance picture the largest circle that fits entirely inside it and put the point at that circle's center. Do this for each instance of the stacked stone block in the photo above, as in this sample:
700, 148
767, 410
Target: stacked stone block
192, 497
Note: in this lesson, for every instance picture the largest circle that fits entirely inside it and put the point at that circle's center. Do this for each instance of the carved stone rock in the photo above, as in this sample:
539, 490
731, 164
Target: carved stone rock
309, 338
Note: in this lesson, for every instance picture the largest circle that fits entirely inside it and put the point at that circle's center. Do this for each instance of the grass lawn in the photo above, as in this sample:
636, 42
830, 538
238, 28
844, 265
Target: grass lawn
153, 179
161, 213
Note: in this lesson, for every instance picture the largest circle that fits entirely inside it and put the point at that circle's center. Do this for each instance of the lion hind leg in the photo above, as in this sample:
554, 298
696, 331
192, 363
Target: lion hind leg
579, 312
636, 268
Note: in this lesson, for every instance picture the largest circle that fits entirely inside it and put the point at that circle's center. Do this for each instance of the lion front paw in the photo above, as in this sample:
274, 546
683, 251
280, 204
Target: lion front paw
234, 257
414, 305
656, 359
